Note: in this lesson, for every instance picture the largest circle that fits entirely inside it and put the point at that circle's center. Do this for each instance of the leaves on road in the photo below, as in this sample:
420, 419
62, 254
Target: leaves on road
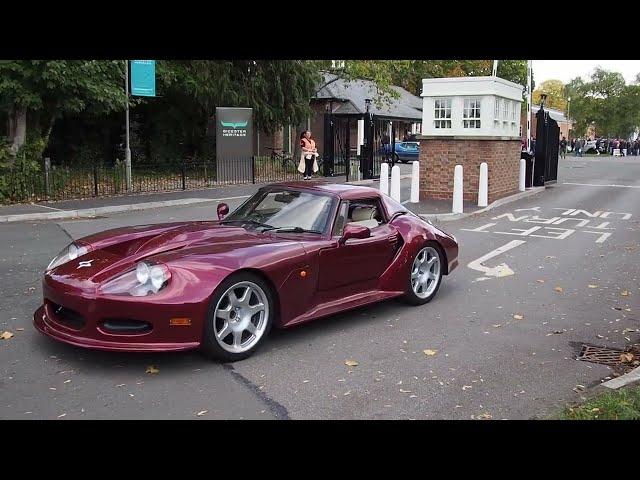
625, 293
466, 387
201, 413
152, 370
484, 416
626, 357
540, 281
429, 353
351, 363
559, 289
593, 286
405, 391
6, 335
20, 329
518, 317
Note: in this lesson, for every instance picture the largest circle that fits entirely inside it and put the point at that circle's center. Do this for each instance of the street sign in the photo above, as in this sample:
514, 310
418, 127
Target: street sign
143, 78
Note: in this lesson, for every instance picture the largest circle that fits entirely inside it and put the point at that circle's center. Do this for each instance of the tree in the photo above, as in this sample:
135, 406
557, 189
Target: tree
555, 91
35, 93
605, 102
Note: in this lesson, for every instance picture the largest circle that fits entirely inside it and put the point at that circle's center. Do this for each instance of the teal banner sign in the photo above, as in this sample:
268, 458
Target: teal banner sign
143, 78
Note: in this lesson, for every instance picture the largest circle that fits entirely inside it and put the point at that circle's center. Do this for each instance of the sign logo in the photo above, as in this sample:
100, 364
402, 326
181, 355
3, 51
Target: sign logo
85, 263
234, 129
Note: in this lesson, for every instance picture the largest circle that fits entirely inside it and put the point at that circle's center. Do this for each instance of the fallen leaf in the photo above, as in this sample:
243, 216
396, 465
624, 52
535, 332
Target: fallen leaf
595, 409
67, 381
6, 335
624, 293
617, 308
347, 393
627, 309
626, 357
540, 281
63, 415
201, 413
429, 353
20, 329
484, 416
121, 385
518, 317
593, 286
466, 387
405, 391
559, 289
351, 363
599, 336
497, 325
152, 369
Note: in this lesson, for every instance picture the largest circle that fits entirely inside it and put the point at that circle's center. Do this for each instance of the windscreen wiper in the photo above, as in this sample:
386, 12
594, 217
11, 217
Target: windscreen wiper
254, 222
290, 229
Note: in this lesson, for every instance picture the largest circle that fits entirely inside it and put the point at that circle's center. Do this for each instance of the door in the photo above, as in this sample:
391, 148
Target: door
358, 261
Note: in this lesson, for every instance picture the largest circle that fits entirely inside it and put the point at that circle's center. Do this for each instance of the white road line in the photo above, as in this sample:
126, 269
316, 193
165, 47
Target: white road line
45, 206
501, 270
601, 185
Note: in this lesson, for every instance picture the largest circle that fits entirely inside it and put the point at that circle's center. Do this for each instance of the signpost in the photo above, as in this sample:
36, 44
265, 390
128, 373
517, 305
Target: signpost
143, 84
234, 143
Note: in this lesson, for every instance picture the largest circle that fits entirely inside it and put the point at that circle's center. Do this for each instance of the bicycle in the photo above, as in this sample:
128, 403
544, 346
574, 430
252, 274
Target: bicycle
278, 154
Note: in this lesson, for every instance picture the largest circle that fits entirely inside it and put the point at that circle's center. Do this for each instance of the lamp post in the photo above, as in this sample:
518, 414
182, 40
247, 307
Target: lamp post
568, 117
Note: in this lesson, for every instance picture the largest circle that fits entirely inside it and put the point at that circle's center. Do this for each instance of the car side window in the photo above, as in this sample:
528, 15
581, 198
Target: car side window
366, 212
341, 218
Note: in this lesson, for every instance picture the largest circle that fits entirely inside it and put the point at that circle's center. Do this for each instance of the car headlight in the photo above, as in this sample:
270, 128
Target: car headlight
70, 252
144, 280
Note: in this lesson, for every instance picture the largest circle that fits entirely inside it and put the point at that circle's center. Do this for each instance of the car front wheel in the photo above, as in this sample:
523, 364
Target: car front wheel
425, 275
239, 318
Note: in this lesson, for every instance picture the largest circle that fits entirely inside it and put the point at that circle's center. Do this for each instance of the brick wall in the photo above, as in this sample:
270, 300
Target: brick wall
439, 156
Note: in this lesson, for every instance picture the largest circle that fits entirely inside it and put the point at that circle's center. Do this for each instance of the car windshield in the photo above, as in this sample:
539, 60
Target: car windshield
286, 209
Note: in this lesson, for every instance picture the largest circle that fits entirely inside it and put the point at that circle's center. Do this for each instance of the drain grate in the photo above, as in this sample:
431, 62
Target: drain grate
611, 357
602, 355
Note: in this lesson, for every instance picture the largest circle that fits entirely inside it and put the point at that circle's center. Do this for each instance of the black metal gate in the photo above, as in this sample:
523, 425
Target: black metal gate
378, 145
337, 146
545, 169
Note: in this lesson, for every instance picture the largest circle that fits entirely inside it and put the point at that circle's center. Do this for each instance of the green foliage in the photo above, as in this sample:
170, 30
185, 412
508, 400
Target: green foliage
606, 103
617, 405
21, 176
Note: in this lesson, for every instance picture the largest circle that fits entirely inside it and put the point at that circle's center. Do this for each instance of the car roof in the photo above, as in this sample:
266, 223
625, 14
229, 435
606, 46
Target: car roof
342, 190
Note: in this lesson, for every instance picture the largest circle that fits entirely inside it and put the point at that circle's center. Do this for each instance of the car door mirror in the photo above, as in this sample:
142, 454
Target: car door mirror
354, 231
223, 210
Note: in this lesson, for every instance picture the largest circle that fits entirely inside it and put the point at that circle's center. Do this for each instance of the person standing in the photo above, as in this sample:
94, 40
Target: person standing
308, 164
563, 147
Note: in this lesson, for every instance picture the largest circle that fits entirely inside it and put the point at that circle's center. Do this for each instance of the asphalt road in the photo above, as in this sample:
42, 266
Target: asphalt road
486, 362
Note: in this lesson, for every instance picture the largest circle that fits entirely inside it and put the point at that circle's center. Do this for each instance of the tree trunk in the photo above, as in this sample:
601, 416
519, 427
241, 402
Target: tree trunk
19, 114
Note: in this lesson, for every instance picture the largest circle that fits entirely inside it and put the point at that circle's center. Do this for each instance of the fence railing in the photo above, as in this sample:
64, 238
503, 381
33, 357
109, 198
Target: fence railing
64, 182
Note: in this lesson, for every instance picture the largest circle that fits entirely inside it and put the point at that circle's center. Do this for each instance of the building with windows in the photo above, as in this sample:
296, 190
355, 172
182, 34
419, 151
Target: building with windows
467, 121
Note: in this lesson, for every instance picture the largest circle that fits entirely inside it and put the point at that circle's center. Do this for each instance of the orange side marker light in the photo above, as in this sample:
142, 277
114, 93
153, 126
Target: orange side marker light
180, 321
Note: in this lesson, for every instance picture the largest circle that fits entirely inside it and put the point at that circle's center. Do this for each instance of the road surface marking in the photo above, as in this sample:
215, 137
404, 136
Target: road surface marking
501, 270
480, 229
601, 185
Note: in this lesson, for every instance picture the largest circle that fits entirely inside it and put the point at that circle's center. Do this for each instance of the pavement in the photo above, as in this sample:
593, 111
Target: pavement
538, 277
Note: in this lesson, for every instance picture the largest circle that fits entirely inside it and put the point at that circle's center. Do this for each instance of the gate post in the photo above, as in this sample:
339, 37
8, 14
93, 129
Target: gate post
366, 160
327, 154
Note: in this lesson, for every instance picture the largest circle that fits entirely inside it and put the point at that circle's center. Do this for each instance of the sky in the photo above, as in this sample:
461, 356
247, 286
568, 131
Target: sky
566, 70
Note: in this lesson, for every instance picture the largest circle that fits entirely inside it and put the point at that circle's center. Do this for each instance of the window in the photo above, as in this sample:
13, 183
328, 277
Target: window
366, 212
513, 111
506, 105
442, 113
496, 110
471, 113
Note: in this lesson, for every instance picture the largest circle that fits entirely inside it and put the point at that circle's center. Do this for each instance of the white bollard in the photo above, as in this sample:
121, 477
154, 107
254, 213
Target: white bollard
523, 170
415, 183
457, 190
384, 178
483, 186
395, 183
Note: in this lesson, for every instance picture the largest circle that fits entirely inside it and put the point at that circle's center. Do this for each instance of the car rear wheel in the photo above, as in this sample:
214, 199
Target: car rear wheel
425, 275
239, 318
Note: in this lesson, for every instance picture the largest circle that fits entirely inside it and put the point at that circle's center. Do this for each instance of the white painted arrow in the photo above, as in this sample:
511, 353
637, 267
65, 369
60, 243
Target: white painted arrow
501, 270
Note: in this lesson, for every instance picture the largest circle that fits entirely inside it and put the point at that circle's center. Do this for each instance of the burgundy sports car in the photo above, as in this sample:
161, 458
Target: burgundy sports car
291, 253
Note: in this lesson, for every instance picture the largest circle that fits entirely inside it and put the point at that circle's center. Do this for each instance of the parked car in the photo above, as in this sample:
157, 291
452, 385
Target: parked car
407, 151
291, 253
